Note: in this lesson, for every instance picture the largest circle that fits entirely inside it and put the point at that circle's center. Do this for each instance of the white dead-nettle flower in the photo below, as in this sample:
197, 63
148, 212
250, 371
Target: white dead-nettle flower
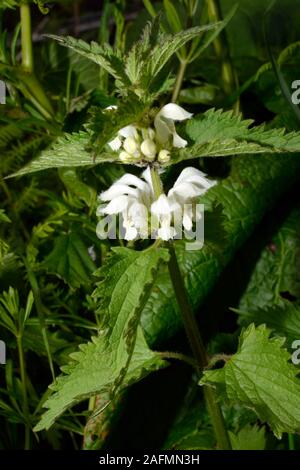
142, 215
165, 127
136, 143
130, 197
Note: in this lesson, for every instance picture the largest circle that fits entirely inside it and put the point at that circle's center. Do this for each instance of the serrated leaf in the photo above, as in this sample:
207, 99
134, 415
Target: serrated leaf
218, 133
69, 150
70, 260
259, 376
119, 355
105, 56
248, 438
166, 46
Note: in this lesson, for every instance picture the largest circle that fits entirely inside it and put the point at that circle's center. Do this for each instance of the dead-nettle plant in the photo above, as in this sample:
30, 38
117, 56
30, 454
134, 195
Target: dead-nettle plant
152, 137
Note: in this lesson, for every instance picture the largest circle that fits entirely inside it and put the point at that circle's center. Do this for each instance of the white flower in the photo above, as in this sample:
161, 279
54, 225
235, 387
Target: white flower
139, 143
148, 148
164, 156
133, 198
164, 209
125, 132
191, 183
130, 197
165, 127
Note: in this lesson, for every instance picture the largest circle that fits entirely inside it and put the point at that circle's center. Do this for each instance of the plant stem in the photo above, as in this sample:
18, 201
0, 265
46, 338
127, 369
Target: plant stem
35, 90
26, 42
291, 441
198, 349
156, 182
24, 390
179, 80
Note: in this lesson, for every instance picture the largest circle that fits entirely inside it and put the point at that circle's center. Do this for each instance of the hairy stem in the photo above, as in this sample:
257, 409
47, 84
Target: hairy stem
198, 349
24, 390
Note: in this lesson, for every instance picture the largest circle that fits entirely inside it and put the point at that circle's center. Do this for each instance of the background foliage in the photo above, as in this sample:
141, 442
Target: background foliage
55, 290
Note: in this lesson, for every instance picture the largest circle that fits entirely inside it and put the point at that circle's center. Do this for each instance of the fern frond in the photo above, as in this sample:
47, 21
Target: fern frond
9, 133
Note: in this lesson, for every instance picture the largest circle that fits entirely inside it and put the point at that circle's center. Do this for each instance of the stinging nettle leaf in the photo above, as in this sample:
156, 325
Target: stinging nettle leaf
260, 376
119, 355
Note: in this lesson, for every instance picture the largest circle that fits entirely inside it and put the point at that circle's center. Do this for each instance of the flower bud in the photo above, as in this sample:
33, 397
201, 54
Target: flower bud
148, 148
164, 156
151, 133
126, 157
130, 145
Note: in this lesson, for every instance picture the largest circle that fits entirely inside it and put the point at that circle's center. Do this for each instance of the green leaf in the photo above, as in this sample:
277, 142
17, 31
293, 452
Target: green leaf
273, 293
70, 260
77, 187
3, 216
119, 355
284, 318
138, 69
259, 376
166, 46
69, 150
105, 56
277, 272
9, 3
218, 133
248, 438
172, 16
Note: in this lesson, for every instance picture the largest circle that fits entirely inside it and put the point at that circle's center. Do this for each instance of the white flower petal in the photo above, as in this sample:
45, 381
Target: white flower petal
178, 141
147, 177
132, 180
192, 175
111, 107
174, 112
128, 131
187, 220
130, 233
161, 206
166, 232
115, 144
163, 129
117, 190
116, 206
186, 191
